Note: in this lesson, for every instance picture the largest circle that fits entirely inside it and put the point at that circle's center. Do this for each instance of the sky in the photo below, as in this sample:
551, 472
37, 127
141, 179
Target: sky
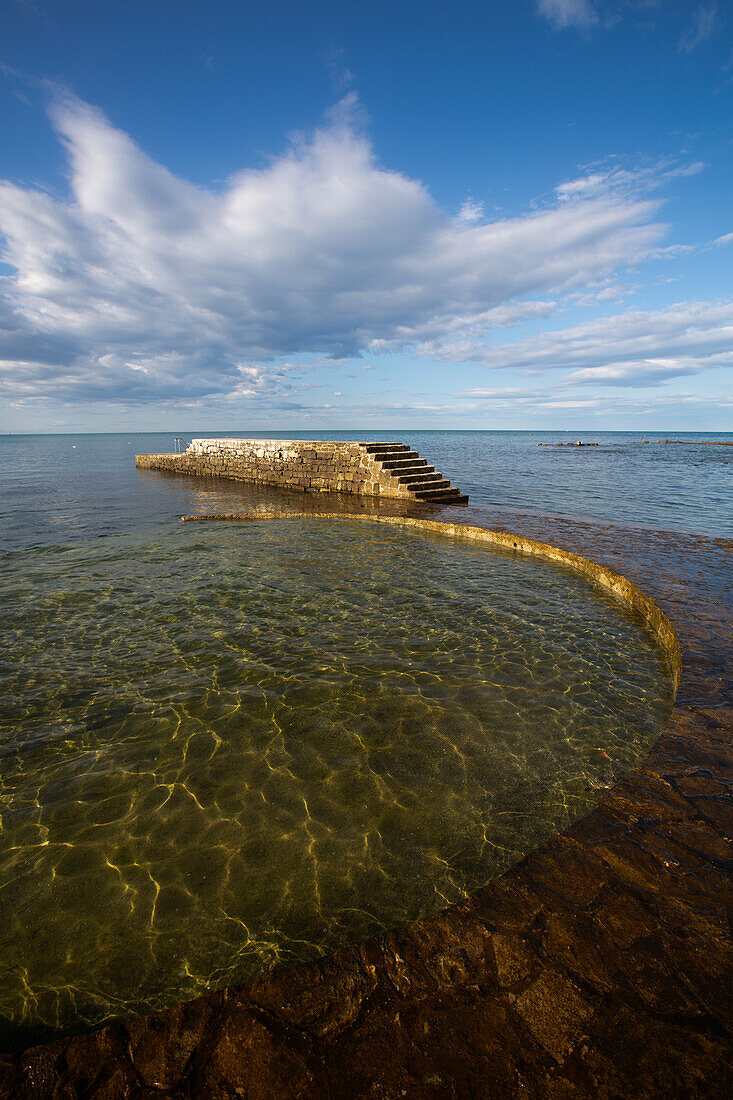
383, 214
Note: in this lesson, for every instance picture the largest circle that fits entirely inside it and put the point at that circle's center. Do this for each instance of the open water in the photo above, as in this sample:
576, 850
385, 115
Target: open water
226, 747
63, 486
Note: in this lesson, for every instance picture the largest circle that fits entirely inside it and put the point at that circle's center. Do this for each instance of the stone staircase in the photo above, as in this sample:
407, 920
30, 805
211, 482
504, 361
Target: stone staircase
414, 474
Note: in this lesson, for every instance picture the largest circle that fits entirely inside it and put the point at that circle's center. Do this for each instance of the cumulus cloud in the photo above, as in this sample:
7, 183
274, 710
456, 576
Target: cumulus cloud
140, 285
568, 13
635, 348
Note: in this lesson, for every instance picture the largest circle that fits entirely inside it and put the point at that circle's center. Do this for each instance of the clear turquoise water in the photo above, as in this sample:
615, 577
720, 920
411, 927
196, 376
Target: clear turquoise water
228, 746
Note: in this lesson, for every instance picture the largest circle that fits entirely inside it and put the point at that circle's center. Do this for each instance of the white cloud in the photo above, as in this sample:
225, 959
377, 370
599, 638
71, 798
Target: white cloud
595, 297
703, 25
515, 393
635, 348
140, 285
568, 13
532, 403
634, 372
471, 212
611, 177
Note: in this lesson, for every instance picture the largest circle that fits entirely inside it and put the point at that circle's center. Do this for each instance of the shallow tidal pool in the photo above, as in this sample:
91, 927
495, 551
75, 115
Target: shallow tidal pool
231, 746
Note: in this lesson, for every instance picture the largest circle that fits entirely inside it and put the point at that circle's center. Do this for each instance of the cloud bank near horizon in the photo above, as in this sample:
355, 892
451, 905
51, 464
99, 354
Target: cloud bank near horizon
139, 285
633, 348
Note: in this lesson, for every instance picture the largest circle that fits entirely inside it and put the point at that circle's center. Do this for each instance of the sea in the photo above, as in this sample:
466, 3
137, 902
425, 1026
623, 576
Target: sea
59, 488
228, 746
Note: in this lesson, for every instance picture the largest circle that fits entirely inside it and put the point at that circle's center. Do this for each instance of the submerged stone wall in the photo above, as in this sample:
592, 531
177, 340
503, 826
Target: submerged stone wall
618, 586
315, 466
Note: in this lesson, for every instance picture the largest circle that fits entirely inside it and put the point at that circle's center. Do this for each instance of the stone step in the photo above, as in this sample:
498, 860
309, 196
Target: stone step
415, 480
416, 464
390, 456
442, 483
414, 473
430, 486
442, 496
402, 456
399, 474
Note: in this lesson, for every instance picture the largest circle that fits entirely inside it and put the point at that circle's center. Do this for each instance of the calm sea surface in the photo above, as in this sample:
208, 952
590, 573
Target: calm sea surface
59, 487
227, 746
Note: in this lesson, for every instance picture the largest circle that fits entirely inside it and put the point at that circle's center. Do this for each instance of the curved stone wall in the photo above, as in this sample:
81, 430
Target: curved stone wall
627, 593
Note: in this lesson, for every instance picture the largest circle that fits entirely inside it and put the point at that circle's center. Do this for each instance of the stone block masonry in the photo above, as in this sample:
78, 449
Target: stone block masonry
370, 469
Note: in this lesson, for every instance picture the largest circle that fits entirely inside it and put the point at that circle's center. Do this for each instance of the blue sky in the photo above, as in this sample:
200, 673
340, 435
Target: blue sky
345, 215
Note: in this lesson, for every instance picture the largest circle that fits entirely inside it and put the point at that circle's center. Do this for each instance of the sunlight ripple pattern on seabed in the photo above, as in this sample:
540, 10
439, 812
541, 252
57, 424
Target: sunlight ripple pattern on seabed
227, 747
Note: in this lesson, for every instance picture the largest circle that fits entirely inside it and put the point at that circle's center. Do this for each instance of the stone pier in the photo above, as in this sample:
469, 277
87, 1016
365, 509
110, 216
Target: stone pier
370, 469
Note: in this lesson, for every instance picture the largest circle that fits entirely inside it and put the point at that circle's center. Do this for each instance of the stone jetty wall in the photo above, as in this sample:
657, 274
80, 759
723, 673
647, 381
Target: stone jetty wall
292, 464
